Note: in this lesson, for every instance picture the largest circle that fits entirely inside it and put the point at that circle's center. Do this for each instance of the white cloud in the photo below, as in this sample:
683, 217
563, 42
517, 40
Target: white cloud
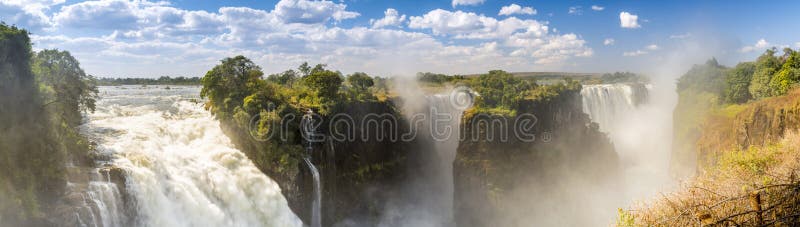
142, 38
598, 8
681, 36
608, 41
627, 20
634, 53
516, 9
27, 14
468, 25
759, 45
455, 3
648, 49
391, 18
797, 44
311, 12
575, 10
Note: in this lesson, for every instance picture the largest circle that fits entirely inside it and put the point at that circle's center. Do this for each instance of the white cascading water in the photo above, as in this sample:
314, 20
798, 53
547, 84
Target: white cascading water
445, 135
181, 170
606, 104
101, 201
641, 133
316, 218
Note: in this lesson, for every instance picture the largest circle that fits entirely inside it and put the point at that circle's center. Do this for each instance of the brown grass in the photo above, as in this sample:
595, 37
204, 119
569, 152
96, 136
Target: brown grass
731, 193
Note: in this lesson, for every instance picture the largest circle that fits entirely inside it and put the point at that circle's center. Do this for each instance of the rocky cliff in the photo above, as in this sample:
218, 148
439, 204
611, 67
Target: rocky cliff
544, 182
359, 171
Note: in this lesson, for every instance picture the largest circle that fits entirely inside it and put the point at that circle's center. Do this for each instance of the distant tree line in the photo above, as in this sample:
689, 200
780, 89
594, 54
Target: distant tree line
164, 80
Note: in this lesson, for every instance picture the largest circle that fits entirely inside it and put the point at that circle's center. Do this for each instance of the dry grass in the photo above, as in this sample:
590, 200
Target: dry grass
731, 193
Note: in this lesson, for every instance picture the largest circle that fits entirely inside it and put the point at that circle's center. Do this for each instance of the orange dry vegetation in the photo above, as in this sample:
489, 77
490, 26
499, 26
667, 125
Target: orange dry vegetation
731, 194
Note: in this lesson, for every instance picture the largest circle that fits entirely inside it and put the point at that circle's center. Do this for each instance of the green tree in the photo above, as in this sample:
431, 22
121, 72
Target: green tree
788, 75
766, 66
304, 69
361, 81
72, 90
709, 77
227, 84
285, 78
324, 84
738, 82
500, 89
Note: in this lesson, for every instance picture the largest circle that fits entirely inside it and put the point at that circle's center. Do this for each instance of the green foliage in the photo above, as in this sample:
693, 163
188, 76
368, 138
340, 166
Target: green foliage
285, 78
324, 84
625, 218
547, 93
709, 77
499, 89
788, 75
737, 81
36, 137
227, 84
622, 77
360, 81
73, 91
437, 78
766, 65
754, 160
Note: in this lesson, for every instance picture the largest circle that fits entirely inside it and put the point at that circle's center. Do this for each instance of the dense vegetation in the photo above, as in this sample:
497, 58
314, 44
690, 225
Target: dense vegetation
768, 76
164, 80
43, 95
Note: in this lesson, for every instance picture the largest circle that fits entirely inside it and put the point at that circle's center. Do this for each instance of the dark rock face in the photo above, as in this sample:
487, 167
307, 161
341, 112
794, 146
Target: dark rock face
359, 171
545, 182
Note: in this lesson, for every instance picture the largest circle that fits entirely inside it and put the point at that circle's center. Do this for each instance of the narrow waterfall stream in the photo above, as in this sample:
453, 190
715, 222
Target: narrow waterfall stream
180, 169
316, 218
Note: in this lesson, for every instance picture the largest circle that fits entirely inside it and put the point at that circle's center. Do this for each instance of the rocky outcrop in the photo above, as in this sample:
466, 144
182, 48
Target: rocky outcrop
740, 127
519, 182
359, 173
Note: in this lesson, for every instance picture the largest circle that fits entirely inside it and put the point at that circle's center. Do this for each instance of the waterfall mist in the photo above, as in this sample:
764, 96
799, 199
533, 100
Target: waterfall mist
427, 196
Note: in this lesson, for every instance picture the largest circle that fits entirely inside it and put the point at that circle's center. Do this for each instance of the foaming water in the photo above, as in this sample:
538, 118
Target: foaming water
640, 127
181, 170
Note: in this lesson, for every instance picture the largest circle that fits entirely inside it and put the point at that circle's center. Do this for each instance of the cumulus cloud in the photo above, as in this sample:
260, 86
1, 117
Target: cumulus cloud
608, 41
466, 2
575, 10
139, 38
598, 8
648, 49
797, 44
310, 12
759, 45
391, 18
628, 20
27, 14
468, 25
516, 9
99, 15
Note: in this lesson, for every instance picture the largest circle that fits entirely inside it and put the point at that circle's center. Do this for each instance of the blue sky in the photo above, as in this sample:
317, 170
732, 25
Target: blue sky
120, 38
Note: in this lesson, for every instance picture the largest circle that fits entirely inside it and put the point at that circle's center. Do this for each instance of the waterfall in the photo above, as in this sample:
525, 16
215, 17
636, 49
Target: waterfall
607, 104
316, 219
180, 169
640, 126
445, 135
